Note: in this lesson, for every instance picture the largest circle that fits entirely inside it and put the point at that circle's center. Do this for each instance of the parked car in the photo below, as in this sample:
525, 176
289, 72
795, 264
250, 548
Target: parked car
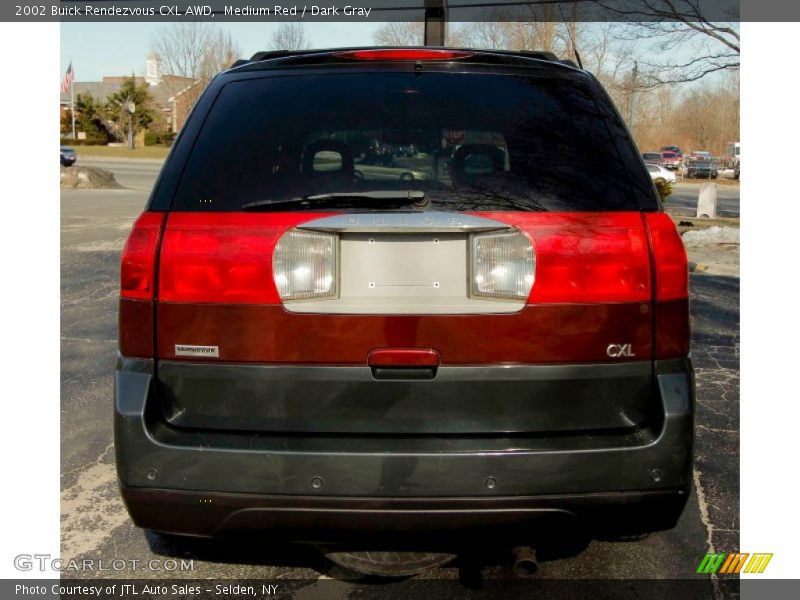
675, 149
732, 155
68, 156
502, 347
659, 173
671, 160
386, 168
699, 168
702, 154
651, 157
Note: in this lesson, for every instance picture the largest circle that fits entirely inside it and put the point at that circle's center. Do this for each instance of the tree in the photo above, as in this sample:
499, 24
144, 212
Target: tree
289, 36
677, 27
193, 50
89, 117
219, 55
144, 114
398, 33
196, 50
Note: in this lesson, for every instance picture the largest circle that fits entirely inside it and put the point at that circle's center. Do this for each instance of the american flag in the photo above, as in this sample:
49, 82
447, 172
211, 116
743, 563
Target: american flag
66, 82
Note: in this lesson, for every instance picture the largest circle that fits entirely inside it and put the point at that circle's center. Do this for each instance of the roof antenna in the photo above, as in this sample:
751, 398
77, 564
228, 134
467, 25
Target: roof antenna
571, 39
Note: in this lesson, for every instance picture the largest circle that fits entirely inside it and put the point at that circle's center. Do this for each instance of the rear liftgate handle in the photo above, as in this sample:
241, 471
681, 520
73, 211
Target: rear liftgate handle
404, 363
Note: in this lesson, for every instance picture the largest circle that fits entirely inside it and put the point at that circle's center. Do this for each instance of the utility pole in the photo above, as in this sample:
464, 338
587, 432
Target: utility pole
632, 103
72, 106
130, 108
435, 22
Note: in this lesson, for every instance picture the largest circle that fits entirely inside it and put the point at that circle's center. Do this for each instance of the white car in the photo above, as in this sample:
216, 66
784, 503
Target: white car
658, 172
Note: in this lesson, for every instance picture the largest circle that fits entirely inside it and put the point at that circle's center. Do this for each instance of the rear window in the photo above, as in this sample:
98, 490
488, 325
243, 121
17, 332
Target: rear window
468, 141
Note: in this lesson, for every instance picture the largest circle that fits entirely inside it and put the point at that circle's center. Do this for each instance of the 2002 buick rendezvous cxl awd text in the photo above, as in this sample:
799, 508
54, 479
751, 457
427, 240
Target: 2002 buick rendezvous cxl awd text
384, 290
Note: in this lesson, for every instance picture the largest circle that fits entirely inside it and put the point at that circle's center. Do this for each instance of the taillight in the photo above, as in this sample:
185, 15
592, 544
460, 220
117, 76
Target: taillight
137, 286
402, 54
227, 258
672, 326
137, 272
503, 265
304, 265
586, 258
669, 257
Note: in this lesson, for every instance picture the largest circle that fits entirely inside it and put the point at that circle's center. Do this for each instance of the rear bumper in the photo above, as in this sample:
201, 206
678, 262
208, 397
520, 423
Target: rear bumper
207, 483
341, 519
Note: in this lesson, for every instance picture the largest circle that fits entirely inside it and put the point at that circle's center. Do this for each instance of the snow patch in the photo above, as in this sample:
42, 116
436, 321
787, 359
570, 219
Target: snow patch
711, 235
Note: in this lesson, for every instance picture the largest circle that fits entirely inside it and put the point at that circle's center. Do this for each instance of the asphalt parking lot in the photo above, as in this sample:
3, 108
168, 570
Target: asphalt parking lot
95, 526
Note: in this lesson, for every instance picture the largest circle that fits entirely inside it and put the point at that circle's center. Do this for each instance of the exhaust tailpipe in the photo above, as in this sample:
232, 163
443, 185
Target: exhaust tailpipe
525, 564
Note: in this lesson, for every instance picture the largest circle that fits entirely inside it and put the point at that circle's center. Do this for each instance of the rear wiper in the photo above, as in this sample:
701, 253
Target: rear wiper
380, 198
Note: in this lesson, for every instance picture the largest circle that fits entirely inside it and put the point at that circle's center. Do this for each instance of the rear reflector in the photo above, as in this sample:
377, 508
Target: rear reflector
404, 54
669, 258
137, 272
403, 357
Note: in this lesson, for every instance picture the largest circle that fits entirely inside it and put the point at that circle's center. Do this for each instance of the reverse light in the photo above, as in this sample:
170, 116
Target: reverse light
503, 265
410, 54
304, 265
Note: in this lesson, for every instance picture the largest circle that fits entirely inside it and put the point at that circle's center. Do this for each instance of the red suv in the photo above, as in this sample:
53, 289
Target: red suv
500, 342
671, 160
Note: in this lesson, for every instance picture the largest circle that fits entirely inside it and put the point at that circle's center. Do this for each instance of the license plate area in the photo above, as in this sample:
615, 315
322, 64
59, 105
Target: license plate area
394, 265
404, 273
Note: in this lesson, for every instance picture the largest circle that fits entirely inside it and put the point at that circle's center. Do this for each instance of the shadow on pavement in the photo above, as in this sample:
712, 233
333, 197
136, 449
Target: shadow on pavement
474, 556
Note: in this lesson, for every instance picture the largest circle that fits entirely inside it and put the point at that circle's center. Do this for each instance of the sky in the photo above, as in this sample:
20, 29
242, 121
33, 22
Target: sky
101, 49
98, 49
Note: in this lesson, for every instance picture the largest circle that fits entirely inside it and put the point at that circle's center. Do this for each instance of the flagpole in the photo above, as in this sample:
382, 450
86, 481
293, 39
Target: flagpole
72, 99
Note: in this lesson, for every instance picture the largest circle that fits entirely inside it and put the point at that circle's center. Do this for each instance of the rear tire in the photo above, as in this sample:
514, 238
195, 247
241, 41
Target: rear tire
407, 177
389, 564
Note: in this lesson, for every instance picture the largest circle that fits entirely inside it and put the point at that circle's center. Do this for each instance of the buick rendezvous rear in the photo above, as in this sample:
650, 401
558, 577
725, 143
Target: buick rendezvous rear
315, 349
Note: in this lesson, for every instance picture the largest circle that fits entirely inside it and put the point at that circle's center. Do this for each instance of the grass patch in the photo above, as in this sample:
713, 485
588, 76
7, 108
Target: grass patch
122, 152
721, 180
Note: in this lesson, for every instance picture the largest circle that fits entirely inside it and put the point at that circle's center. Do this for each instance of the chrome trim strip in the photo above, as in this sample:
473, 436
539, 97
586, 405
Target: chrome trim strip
407, 222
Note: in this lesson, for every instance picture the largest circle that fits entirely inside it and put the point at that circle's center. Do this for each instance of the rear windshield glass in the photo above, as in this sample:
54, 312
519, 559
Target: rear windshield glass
468, 141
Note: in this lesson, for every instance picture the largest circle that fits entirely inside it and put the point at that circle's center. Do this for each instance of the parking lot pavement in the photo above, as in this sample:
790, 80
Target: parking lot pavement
96, 527
683, 199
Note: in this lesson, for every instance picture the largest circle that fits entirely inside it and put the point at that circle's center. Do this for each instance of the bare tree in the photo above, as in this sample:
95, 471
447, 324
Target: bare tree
489, 35
220, 54
397, 33
669, 25
192, 50
289, 36
196, 50
540, 32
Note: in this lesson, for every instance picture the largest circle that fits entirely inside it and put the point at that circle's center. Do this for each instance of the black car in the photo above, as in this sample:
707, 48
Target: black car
498, 349
699, 168
653, 158
68, 156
